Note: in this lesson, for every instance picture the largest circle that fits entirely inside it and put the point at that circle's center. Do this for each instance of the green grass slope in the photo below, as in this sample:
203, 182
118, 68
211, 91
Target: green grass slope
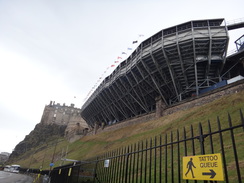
94, 145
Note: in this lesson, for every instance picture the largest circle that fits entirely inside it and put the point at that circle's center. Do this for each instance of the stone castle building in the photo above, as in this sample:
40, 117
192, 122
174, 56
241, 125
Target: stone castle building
67, 116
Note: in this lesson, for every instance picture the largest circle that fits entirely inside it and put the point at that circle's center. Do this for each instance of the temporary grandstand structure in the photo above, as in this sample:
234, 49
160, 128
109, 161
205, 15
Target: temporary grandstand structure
172, 65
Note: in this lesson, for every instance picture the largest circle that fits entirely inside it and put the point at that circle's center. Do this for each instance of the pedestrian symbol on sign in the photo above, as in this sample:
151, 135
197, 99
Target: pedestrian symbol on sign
189, 166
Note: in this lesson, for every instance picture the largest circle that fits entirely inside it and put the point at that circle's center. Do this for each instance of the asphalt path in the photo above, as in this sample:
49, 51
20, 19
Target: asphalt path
7, 177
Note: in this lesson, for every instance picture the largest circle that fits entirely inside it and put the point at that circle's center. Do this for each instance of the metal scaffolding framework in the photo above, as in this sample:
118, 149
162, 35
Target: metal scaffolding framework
174, 64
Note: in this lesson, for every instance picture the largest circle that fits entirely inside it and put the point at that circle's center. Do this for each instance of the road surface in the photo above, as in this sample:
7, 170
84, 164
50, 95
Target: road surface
7, 177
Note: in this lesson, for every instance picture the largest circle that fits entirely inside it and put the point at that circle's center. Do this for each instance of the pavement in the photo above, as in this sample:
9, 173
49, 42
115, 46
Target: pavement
8, 177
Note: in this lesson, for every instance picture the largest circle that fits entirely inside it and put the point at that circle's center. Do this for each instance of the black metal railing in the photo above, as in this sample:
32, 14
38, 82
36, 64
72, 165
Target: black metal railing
159, 159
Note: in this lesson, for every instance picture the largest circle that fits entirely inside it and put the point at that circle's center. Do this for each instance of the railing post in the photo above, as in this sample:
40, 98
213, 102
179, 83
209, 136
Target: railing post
234, 149
95, 170
201, 139
222, 150
126, 165
242, 119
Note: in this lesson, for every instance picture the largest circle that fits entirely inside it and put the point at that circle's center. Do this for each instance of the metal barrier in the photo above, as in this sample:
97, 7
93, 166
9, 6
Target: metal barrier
160, 159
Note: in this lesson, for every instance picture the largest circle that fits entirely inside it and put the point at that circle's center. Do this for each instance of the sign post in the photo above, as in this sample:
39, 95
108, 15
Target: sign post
203, 167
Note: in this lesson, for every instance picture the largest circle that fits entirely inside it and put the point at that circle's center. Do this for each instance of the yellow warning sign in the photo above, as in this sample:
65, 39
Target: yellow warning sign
203, 167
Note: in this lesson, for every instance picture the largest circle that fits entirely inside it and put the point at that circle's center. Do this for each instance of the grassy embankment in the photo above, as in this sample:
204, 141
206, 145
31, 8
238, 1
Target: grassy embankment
94, 145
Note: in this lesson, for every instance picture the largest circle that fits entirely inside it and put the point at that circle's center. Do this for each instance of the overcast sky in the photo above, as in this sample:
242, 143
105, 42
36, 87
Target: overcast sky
58, 49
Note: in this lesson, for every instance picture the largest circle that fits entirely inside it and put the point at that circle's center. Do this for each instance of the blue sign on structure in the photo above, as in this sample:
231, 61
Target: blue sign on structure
51, 164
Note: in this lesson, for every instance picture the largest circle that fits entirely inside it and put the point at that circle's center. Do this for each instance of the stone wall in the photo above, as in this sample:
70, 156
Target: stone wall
122, 124
206, 98
76, 128
183, 105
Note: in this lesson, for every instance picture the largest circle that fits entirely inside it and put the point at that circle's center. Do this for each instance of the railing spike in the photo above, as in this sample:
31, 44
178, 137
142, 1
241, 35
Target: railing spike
242, 118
